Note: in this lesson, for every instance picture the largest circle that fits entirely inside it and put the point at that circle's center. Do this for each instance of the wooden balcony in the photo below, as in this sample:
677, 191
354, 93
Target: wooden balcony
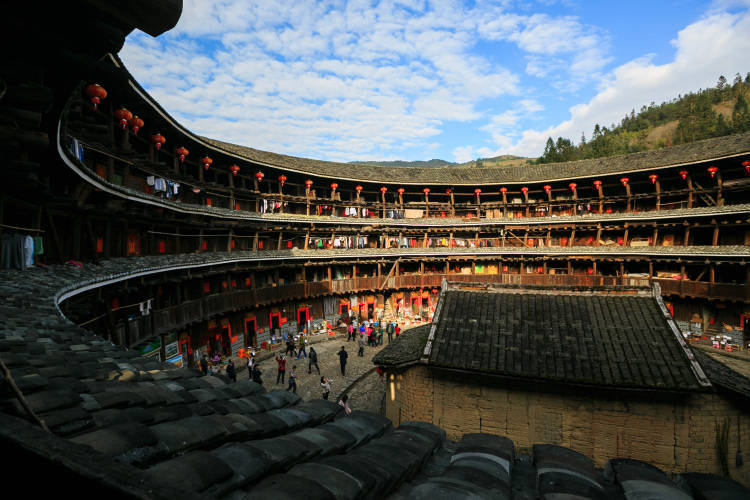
170, 318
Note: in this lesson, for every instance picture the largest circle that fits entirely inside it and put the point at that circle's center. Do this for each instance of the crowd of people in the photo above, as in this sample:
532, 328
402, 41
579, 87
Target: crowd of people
367, 333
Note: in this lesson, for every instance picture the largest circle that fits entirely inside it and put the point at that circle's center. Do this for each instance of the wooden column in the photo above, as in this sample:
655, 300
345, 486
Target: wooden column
625, 236
279, 241
712, 273
690, 191
686, 238
255, 242
229, 240
600, 191
598, 234
627, 190
655, 236
307, 238
657, 186
450, 239
715, 237
719, 188
453, 205
572, 237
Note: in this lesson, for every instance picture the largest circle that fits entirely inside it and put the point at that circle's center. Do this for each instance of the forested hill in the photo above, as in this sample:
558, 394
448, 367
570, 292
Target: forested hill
497, 161
712, 112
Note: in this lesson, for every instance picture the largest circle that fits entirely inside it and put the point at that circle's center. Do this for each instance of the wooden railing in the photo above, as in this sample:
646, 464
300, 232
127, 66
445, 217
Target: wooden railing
169, 318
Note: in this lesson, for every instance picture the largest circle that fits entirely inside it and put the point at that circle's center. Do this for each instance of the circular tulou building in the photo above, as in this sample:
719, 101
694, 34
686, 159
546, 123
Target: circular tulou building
560, 307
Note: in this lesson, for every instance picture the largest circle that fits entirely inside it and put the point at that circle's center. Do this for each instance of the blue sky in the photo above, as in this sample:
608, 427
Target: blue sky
415, 80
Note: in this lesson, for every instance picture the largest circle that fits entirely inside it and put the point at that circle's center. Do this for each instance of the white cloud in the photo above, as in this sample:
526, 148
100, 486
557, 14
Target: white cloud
640, 81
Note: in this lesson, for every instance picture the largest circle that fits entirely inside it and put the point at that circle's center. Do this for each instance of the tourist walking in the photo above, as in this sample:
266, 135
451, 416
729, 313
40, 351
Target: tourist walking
397, 330
342, 360
256, 375
312, 361
250, 365
350, 332
389, 331
281, 373
293, 380
380, 334
361, 352
289, 348
302, 342
325, 384
231, 373
204, 365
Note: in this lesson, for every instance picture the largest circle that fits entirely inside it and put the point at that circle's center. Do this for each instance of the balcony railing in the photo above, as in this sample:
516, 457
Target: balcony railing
170, 318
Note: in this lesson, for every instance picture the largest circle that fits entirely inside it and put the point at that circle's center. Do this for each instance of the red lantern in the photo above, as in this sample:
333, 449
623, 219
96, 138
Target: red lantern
162, 246
236, 207
426, 190
358, 189
158, 140
383, 189
477, 191
505, 269
448, 191
123, 115
597, 184
746, 164
209, 201
590, 270
308, 183
503, 190
334, 186
206, 162
259, 176
572, 186
95, 93
182, 152
235, 170
524, 190
196, 190
625, 181
684, 174
547, 188
712, 171
282, 180
653, 178
539, 270
435, 290
135, 124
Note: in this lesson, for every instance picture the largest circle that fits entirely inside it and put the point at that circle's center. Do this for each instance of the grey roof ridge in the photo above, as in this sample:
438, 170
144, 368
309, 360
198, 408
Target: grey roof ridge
695, 367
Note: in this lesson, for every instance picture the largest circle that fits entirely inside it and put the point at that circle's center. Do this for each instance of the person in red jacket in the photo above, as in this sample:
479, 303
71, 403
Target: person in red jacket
398, 330
281, 373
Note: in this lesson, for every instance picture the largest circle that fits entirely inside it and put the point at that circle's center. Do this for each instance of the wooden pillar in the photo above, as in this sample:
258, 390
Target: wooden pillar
622, 271
598, 234
715, 237
600, 191
627, 190
279, 241
655, 236
650, 271
255, 242
657, 186
354, 271
453, 205
424, 242
473, 267
572, 237
719, 188
690, 191
379, 269
712, 273
625, 236
686, 238
229, 240
450, 239
570, 267
307, 238
549, 237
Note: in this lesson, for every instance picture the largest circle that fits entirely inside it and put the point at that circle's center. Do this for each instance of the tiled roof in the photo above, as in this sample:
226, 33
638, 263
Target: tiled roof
407, 348
145, 429
547, 333
705, 150
722, 375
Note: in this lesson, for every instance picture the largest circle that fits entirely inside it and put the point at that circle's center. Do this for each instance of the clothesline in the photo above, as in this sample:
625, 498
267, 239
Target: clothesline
113, 310
27, 229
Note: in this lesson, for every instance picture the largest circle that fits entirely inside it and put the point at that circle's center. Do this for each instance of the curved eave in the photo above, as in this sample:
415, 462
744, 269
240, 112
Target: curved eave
420, 177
